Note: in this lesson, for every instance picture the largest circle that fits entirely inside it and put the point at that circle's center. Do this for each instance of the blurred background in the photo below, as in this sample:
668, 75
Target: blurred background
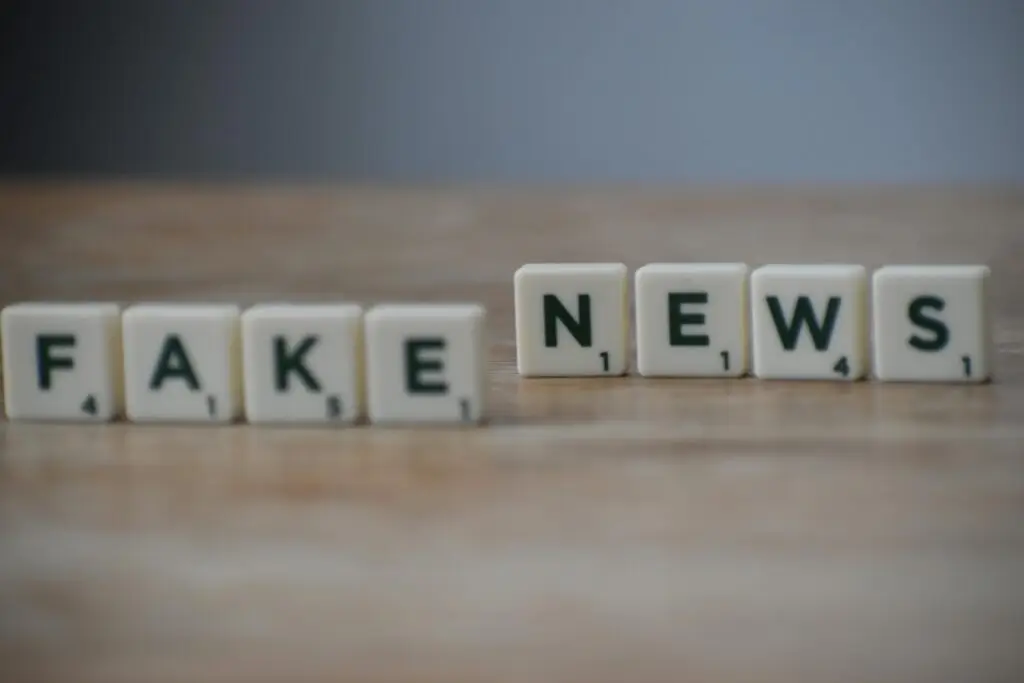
523, 91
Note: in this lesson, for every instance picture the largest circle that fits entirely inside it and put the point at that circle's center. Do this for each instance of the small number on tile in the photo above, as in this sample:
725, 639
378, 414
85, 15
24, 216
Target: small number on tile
333, 407
89, 406
967, 365
725, 360
842, 367
604, 360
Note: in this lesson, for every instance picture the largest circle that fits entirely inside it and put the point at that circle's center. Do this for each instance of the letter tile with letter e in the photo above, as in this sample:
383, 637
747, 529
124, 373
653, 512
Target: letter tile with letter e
302, 363
691, 319
809, 321
62, 362
426, 363
572, 319
931, 324
182, 363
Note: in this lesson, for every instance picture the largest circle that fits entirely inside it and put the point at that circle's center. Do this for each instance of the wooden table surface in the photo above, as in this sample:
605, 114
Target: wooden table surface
598, 530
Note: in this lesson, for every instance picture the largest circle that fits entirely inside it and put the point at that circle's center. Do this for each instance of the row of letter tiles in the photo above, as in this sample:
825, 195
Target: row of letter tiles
285, 363
927, 323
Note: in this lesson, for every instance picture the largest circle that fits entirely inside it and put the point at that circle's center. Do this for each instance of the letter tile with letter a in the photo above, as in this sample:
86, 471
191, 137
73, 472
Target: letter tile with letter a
426, 363
302, 363
809, 321
62, 362
931, 324
182, 363
572, 319
691, 319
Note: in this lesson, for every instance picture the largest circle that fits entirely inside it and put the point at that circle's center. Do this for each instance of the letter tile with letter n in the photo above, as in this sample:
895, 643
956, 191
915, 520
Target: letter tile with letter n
691, 319
182, 363
809, 321
426, 363
302, 363
931, 323
572, 319
62, 362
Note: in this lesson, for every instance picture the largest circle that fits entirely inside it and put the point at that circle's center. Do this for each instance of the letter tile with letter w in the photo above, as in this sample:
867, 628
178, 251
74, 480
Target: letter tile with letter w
810, 321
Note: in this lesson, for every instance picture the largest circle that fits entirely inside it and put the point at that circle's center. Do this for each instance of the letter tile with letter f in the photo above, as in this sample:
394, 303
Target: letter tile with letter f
426, 363
62, 361
809, 321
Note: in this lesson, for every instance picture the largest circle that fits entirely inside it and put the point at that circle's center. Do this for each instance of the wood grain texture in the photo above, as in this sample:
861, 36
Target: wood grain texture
598, 530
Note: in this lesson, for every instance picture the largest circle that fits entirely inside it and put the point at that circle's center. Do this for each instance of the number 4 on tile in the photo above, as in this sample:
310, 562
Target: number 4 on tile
89, 406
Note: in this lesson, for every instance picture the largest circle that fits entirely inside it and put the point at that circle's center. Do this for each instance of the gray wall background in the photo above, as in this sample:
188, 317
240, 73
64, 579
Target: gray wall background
699, 91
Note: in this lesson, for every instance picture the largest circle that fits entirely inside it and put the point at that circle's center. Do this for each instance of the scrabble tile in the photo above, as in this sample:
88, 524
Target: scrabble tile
182, 363
302, 363
571, 319
62, 362
426, 363
691, 319
931, 323
809, 321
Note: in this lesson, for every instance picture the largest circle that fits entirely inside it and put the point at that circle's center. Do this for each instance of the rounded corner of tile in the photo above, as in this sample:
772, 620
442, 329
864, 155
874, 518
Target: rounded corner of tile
522, 271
